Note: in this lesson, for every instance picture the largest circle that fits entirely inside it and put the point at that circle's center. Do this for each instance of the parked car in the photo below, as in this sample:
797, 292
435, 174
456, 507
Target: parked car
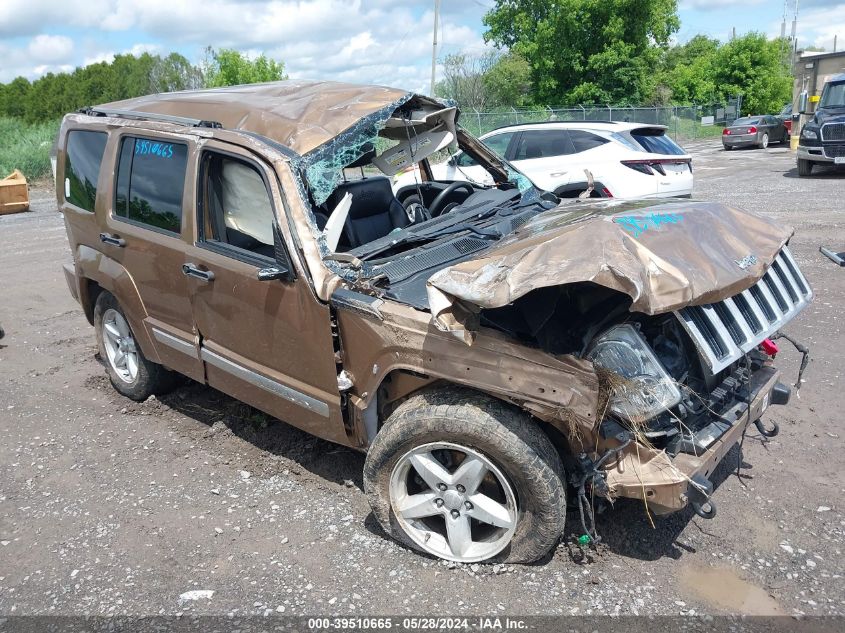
822, 139
754, 131
785, 117
491, 352
626, 160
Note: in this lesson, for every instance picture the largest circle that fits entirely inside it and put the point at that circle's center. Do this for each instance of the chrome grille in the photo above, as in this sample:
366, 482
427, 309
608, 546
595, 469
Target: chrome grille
834, 151
833, 132
725, 331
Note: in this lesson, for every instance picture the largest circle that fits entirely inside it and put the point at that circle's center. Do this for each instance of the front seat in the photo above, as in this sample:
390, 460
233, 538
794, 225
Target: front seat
374, 213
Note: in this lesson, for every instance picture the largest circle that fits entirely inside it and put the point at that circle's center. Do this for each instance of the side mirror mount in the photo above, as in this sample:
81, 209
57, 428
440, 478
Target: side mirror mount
271, 272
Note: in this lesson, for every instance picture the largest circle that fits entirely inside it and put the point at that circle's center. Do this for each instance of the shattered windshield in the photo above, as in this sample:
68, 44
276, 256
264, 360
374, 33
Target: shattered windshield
404, 176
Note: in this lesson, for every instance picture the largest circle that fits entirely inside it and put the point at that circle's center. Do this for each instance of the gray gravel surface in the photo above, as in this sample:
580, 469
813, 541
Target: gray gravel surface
193, 503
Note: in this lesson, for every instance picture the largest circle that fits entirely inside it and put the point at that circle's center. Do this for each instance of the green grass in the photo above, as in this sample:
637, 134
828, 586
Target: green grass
26, 146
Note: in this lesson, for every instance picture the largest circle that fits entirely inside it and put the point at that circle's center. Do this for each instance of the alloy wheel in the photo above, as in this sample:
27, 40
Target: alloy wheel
453, 502
121, 351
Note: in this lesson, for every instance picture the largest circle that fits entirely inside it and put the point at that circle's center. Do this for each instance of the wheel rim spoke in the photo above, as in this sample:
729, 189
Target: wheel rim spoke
489, 511
111, 331
132, 365
429, 469
119, 359
470, 473
418, 506
459, 535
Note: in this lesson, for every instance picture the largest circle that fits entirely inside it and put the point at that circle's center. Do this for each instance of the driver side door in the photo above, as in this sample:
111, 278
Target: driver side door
265, 342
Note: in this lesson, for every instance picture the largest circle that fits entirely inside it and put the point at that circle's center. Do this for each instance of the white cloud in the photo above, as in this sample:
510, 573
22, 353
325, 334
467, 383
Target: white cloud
378, 41
50, 48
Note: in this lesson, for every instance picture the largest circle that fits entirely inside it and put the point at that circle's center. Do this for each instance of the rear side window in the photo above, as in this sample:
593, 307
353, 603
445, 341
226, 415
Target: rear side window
150, 181
656, 142
83, 157
499, 142
582, 141
543, 144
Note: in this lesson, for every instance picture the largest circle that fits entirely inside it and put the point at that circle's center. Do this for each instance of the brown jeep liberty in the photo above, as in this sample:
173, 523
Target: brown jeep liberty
490, 347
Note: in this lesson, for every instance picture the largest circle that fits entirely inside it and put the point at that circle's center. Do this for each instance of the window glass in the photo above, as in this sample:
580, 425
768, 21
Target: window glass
150, 180
239, 212
543, 144
833, 96
656, 142
499, 142
82, 167
465, 160
582, 141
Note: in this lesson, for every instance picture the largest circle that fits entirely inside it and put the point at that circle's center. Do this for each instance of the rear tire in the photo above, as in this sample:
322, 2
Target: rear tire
129, 371
523, 475
805, 167
764, 142
728, 148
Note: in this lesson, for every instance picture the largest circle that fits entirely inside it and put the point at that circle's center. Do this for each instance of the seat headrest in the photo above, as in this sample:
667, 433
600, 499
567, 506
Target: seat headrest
370, 196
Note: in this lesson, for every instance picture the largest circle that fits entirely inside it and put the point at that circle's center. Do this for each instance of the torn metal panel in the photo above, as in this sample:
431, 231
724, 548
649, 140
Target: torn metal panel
663, 254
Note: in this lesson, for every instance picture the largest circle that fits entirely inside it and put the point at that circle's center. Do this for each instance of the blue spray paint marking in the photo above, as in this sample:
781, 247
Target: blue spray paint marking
636, 226
151, 148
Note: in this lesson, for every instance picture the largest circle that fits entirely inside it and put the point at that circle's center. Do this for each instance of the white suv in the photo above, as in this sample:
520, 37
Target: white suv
626, 160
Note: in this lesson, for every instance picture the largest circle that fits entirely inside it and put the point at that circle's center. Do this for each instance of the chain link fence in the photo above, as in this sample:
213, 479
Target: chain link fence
683, 123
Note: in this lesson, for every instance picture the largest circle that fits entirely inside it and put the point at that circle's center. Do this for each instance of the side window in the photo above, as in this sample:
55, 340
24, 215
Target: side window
499, 142
543, 144
83, 157
582, 141
150, 182
465, 160
237, 210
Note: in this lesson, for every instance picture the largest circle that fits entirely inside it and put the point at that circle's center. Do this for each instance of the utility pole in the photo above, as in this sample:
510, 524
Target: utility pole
434, 44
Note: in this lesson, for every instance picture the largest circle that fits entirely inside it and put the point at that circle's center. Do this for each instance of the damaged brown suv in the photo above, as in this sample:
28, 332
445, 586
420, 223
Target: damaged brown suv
492, 348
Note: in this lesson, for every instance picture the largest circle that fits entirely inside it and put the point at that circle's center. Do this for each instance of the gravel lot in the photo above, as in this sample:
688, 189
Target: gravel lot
110, 507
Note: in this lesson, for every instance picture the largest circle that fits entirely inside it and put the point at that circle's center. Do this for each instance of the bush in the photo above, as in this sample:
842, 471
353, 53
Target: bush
26, 146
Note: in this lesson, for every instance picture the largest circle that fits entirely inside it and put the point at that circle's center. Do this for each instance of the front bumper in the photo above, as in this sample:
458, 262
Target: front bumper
666, 483
815, 154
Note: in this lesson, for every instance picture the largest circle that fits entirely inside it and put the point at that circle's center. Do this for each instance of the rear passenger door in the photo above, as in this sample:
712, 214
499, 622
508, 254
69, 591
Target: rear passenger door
545, 156
146, 233
266, 342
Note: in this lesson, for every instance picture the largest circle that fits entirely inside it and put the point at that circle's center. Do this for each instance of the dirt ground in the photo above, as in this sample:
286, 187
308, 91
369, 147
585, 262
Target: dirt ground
109, 507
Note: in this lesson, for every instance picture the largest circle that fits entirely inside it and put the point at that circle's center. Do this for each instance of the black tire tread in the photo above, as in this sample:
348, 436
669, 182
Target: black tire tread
482, 422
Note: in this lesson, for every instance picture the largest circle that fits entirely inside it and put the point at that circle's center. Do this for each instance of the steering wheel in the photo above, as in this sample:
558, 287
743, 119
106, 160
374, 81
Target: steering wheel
437, 203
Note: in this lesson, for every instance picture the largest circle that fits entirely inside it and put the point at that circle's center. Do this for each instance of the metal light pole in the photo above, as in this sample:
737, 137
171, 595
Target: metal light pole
434, 44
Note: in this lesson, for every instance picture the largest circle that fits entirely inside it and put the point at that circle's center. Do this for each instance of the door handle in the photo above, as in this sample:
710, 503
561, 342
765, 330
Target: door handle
191, 270
114, 240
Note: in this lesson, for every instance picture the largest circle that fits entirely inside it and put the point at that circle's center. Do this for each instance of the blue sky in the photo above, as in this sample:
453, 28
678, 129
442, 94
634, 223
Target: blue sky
370, 41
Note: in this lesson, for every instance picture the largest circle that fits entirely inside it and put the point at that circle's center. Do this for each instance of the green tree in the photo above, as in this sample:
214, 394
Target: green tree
15, 97
688, 72
753, 66
586, 50
508, 81
174, 72
228, 67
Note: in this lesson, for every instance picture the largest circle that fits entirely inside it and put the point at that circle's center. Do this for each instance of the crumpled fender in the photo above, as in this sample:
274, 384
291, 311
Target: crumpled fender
663, 254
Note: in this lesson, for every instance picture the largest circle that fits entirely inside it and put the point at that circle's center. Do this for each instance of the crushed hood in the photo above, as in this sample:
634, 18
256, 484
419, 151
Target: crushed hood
663, 254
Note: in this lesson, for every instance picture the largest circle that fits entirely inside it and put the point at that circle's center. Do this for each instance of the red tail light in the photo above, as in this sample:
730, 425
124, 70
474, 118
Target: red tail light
752, 130
726, 131
606, 192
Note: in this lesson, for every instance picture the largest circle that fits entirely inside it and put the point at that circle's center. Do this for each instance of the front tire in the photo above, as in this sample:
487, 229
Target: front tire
805, 167
130, 373
464, 477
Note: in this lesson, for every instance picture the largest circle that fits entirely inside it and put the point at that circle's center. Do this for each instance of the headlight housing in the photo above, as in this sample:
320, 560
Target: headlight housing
641, 388
809, 134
